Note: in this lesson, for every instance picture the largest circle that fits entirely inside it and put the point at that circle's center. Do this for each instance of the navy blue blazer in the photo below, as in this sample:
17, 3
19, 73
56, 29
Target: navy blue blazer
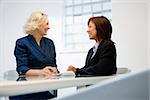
29, 55
102, 63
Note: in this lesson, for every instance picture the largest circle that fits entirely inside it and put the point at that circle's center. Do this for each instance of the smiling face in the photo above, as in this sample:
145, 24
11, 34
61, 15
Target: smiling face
92, 31
43, 28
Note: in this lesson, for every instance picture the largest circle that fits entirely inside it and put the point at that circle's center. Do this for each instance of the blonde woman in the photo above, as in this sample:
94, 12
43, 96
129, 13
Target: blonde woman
35, 54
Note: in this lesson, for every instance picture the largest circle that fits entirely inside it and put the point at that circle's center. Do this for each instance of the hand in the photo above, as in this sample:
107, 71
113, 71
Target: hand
49, 70
45, 71
53, 70
71, 68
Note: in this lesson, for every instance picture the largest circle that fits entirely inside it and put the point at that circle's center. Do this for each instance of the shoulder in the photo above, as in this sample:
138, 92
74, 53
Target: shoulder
107, 45
22, 39
48, 40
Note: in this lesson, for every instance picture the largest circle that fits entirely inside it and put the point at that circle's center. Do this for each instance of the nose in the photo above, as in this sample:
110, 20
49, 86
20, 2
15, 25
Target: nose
87, 30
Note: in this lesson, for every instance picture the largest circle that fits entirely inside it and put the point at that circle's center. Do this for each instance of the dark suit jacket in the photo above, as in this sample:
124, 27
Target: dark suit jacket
103, 63
29, 55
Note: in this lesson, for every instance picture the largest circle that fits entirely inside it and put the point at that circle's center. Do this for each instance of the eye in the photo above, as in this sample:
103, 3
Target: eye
42, 14
89, 26
47, 23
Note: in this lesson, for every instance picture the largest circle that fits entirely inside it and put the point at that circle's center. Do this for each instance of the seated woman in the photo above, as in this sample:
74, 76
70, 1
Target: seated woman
101, 58
35, 54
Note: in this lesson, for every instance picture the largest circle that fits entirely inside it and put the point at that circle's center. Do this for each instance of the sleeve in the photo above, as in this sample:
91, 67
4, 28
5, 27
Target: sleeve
54, 53
21, 55
54, 63
104, 66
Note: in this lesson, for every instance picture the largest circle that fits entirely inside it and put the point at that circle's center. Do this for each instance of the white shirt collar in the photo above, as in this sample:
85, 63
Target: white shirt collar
95, 46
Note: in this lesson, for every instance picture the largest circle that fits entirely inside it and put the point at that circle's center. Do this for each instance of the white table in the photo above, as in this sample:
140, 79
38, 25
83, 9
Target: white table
39, 83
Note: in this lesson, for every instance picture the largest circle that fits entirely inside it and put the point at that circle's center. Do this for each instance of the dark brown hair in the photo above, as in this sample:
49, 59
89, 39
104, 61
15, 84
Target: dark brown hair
103, 27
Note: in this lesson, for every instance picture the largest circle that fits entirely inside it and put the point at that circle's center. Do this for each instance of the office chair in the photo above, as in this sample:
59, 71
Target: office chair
122, 70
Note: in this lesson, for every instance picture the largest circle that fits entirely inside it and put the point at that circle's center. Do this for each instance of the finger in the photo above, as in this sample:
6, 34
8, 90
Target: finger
54, 69
47, 71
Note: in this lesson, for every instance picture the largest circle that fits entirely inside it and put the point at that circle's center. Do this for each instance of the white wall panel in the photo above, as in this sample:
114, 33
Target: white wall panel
1, 36
149, 33
14, 13
130, 33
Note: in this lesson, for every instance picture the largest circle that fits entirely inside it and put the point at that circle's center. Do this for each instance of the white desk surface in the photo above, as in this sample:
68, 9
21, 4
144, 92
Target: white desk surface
10, 87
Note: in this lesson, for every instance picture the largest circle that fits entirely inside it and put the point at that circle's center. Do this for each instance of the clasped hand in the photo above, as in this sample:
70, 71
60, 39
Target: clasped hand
49, 70
71, 68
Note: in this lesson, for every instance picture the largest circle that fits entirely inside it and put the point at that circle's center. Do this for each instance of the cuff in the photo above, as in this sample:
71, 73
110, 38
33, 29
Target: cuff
22, 70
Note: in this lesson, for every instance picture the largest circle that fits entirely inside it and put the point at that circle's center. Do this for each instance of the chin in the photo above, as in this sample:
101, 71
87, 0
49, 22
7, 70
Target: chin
91, 38
45, 34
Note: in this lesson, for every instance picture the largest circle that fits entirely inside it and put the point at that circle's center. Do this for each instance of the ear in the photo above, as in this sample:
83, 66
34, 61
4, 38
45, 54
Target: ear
39, 27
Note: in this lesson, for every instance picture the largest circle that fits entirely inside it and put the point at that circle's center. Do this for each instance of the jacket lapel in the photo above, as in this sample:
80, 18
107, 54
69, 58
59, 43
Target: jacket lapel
89, 56
35, 45
98, 50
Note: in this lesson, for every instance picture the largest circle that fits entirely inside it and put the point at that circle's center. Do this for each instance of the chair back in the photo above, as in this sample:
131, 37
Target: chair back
123, 70
10, 75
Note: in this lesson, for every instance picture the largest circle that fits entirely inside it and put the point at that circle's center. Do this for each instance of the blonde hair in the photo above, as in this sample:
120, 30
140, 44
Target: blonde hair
34, 21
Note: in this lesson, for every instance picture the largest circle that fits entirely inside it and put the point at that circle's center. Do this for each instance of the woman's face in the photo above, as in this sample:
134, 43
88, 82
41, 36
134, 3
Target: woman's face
43, 28
92, 31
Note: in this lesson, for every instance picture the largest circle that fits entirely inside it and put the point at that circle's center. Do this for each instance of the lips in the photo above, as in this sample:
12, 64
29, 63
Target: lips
89, 35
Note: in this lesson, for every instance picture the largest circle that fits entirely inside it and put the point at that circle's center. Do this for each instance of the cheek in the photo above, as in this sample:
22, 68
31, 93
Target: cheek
94, 32
93, 35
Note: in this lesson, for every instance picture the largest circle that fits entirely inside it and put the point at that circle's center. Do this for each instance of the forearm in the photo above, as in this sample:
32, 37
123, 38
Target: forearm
85, 71
45, 71
33, 72
24, 70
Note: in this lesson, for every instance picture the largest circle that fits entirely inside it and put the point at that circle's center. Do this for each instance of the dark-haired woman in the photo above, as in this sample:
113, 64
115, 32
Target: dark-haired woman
101, 58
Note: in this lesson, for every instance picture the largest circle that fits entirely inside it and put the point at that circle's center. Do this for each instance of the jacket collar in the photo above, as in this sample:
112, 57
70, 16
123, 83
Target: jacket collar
98, 47
34, 43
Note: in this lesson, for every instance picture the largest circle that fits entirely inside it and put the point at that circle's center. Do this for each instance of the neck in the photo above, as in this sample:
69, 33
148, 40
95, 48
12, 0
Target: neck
99, 41
37, 38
